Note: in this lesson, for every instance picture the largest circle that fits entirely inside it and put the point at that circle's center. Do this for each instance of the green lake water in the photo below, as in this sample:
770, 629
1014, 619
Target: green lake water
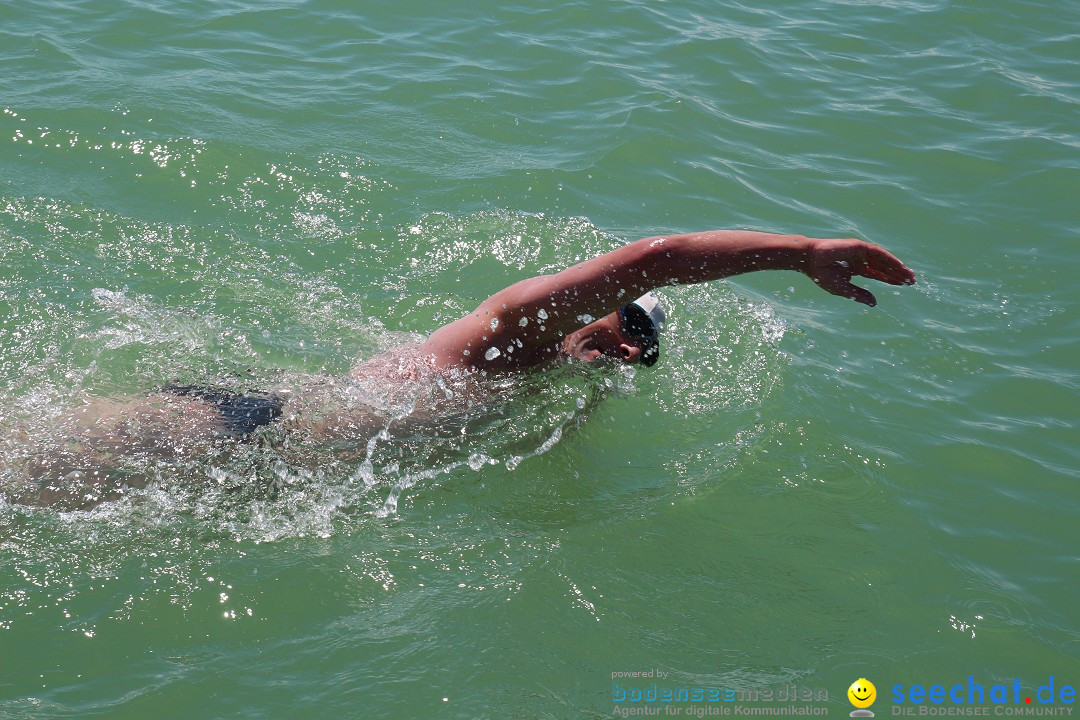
804, 491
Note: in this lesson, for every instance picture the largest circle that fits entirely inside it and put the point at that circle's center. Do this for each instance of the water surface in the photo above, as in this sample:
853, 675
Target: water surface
802, 491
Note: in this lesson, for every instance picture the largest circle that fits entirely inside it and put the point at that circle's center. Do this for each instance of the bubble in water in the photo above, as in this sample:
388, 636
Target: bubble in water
479, 460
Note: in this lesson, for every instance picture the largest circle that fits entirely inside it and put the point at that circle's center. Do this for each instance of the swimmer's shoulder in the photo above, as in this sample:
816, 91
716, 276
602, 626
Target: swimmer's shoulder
401, 363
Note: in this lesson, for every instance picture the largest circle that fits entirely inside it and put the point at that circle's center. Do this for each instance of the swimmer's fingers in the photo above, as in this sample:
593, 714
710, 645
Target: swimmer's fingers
833, 263
881, 265
840, 284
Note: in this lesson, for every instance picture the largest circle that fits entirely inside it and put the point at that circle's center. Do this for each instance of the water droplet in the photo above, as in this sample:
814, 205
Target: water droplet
542, 314
523, 321
494, 323
492, 353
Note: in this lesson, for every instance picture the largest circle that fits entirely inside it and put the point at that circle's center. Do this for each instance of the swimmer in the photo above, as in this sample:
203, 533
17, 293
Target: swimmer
600, 310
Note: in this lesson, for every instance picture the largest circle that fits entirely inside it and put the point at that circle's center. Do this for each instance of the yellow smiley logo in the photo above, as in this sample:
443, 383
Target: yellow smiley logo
862, 693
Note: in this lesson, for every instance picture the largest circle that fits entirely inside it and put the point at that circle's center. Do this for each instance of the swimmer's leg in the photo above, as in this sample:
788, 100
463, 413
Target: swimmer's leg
107, 445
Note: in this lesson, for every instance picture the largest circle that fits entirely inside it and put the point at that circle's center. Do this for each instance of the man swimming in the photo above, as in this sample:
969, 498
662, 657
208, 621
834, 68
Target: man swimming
598, 310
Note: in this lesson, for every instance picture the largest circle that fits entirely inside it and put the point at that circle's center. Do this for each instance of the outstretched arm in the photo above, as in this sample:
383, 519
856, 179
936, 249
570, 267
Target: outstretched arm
533, 315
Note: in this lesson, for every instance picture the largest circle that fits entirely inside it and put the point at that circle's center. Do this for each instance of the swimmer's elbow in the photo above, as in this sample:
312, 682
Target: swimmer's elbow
517, 301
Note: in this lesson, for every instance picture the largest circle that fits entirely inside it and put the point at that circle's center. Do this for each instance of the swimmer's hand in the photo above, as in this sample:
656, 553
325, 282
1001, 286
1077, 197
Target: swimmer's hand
832, 263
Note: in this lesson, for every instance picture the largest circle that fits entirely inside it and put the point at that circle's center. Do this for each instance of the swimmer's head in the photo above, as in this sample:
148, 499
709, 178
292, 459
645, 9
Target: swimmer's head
630, 334
642, 320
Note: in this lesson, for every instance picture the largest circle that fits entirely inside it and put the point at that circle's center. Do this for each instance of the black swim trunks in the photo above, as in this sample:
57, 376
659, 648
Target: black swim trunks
241, 414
